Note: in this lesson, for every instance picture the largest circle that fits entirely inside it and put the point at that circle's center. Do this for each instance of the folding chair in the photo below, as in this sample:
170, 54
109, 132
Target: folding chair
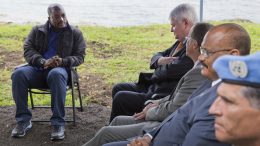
72, 85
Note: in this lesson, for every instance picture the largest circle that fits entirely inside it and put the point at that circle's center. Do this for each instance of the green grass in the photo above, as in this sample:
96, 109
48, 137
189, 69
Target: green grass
125, 51
116, 54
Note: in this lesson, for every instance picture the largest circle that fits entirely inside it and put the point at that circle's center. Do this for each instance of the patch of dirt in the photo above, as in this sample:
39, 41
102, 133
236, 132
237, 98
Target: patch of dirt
88, 121
94, 87
103, 50
10, 59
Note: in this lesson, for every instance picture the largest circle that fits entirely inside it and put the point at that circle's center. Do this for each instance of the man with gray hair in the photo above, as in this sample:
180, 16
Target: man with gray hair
169, 66
50, 50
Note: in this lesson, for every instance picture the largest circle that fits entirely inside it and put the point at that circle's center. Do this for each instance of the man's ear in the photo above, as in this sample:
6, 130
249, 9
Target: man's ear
185, 21
195, 43
235, 52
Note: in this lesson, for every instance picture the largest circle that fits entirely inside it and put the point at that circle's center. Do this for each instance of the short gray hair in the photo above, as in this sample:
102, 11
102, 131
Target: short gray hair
253, 96
184, 11
55, 6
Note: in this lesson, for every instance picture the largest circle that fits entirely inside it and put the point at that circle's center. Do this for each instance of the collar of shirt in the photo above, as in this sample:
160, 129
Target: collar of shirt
196, 63
184, 41
215, 82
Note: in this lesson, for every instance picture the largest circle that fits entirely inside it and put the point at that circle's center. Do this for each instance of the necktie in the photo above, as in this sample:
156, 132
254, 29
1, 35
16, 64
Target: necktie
177, 49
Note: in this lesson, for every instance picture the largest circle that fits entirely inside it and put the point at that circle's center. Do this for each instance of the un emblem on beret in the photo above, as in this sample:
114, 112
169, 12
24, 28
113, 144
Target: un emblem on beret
238, 68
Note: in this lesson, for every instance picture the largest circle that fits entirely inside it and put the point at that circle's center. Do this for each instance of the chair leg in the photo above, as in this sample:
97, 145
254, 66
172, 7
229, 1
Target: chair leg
73, 107
80, 99
73, 100
31, 98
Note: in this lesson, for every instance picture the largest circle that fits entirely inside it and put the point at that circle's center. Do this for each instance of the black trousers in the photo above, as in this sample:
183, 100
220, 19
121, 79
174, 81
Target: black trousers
128, 99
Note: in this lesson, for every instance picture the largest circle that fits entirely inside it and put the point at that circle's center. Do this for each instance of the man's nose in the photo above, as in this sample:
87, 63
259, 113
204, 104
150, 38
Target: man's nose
201, 57
214, 109
59, 19
173, 29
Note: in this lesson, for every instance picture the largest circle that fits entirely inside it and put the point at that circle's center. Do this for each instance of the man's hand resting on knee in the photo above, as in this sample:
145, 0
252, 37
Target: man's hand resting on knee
141, 141
142, 114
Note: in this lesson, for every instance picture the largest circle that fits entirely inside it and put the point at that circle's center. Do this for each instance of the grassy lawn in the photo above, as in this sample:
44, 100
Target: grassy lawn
116, 54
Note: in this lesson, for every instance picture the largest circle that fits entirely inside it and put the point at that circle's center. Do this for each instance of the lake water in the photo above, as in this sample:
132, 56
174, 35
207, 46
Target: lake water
125, 12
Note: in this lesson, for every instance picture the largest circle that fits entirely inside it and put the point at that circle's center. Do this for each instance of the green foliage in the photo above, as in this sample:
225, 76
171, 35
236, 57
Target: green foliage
117, 54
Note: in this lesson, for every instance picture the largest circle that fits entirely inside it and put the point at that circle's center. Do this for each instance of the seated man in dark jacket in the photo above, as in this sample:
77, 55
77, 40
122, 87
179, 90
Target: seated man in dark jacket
170, 65
50, 50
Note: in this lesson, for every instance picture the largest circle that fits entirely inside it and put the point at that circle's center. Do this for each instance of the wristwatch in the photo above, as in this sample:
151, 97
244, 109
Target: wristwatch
42, 62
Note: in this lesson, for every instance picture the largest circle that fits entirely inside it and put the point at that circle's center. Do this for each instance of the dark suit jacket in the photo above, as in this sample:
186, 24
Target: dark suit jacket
190, 125
165, 77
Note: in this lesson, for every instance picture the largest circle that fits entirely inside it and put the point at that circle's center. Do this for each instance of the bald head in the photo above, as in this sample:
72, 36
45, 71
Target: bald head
232, 36
221, 40
55, 7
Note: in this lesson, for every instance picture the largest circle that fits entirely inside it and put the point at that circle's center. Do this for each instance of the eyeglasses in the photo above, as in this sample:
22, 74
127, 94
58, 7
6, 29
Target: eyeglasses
206, 53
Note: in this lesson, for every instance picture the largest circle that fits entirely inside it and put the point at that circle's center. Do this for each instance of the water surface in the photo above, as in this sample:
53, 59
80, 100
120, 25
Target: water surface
125, 12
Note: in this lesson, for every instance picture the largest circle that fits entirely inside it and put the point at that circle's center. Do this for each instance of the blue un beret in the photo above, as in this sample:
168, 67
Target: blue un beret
242, 70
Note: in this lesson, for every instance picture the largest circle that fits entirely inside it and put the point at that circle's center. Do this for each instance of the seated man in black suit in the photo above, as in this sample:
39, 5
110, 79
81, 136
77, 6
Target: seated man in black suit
170, 65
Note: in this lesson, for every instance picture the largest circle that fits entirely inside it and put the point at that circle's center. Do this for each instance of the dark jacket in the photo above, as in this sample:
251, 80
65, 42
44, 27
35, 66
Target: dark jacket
165, 77
70, 47
191, 124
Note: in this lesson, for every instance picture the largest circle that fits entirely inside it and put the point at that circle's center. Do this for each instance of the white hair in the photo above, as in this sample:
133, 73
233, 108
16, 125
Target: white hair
184, 11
